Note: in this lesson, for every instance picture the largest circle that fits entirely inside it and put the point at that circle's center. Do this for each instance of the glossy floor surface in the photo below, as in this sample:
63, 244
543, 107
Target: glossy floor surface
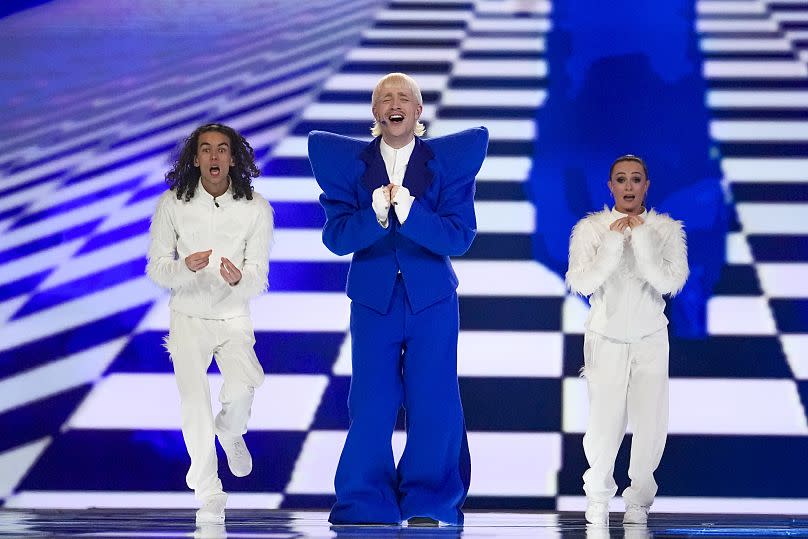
153, 523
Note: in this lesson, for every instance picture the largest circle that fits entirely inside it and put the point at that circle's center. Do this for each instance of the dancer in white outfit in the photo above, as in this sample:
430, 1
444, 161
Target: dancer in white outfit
626, 259
210, 212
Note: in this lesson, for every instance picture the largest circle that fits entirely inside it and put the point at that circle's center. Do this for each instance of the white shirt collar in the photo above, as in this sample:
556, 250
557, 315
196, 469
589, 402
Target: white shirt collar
405, 151
204, 195
395, 160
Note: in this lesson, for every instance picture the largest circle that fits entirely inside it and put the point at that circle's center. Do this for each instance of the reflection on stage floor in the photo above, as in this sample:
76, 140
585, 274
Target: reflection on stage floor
135, 523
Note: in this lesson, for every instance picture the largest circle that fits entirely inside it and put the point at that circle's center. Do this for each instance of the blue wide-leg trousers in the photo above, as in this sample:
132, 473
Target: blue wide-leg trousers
410, 359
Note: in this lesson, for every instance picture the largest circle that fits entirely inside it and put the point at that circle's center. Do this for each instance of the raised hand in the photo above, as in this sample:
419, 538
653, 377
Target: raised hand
197, 261
621, 224
634, 221
230, 272
381, 202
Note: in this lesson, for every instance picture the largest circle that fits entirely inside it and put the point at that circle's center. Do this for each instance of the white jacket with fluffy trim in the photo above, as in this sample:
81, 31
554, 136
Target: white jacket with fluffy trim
627, 274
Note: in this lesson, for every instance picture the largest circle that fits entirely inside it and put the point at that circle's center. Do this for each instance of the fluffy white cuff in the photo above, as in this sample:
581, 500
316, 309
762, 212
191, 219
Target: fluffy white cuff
662, 261
381, 205
402, 203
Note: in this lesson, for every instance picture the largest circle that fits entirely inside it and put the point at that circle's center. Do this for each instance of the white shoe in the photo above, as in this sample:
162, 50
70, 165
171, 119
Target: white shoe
212, 510
210, 531
238, 456
597, 513
635, 514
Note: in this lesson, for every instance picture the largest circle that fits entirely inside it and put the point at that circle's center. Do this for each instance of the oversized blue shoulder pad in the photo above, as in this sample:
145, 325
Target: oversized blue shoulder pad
461, 154
331, 154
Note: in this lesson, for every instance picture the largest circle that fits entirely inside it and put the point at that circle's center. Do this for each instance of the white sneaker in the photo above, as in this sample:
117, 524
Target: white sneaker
635, 514
238, 456
597, 513
212, 510
210, 531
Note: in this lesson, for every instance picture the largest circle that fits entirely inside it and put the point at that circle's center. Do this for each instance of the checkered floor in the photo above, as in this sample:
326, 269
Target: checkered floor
86, 385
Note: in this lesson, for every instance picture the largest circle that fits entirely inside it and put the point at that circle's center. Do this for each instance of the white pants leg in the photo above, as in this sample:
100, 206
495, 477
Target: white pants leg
606, 368
625, 381
647, 415
191, 343
241, 373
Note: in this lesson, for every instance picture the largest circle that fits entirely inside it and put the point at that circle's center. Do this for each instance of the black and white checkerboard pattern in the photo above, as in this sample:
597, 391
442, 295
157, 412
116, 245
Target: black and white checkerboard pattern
88, 405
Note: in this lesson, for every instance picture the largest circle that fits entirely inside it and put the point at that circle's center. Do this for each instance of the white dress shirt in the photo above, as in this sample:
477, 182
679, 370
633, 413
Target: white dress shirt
396, 161
626, 274
239, 230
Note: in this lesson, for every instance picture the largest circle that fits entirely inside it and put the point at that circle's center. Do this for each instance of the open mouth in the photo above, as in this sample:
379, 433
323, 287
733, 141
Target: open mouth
396, 118
214, 171
629, 198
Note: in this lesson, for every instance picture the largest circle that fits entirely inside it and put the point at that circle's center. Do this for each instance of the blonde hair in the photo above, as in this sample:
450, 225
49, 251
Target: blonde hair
404, 80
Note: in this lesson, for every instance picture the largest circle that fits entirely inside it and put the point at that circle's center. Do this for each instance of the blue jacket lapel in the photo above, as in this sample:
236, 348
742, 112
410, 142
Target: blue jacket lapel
375, 172
418, 176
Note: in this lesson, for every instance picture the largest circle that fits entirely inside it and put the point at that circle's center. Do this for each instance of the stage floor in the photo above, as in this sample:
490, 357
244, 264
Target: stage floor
153, 523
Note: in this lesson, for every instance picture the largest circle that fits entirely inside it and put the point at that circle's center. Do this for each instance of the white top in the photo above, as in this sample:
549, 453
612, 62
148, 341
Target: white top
626, 274
396, 160
239, 230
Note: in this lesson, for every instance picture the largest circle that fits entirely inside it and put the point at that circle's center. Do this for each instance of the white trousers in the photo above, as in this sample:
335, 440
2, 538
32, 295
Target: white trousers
627, 384
192, 342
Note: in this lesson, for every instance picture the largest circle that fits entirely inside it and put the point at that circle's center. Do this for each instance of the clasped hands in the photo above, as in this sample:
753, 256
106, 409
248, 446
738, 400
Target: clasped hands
383, 196
629, 221
230, 273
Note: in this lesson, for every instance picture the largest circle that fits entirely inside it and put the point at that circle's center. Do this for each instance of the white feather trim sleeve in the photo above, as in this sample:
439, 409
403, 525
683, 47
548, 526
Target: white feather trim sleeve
661, 255
163, 266
592, 261
255, 272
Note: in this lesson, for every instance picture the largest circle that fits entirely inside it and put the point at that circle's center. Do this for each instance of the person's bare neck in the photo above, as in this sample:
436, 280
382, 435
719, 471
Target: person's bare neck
397, 142
636, 211
215, 190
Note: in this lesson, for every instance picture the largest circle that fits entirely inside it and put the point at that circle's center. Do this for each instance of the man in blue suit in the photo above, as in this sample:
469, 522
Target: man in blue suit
402, 206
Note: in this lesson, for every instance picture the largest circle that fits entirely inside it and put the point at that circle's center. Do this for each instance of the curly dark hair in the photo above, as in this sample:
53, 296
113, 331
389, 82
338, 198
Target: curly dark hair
184, 176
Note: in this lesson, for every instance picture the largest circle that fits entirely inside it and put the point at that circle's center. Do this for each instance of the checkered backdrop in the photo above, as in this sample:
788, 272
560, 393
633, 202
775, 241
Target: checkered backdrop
96, 97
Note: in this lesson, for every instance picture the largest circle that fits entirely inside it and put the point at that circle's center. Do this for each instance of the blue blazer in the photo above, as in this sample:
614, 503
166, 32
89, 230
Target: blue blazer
440, 175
